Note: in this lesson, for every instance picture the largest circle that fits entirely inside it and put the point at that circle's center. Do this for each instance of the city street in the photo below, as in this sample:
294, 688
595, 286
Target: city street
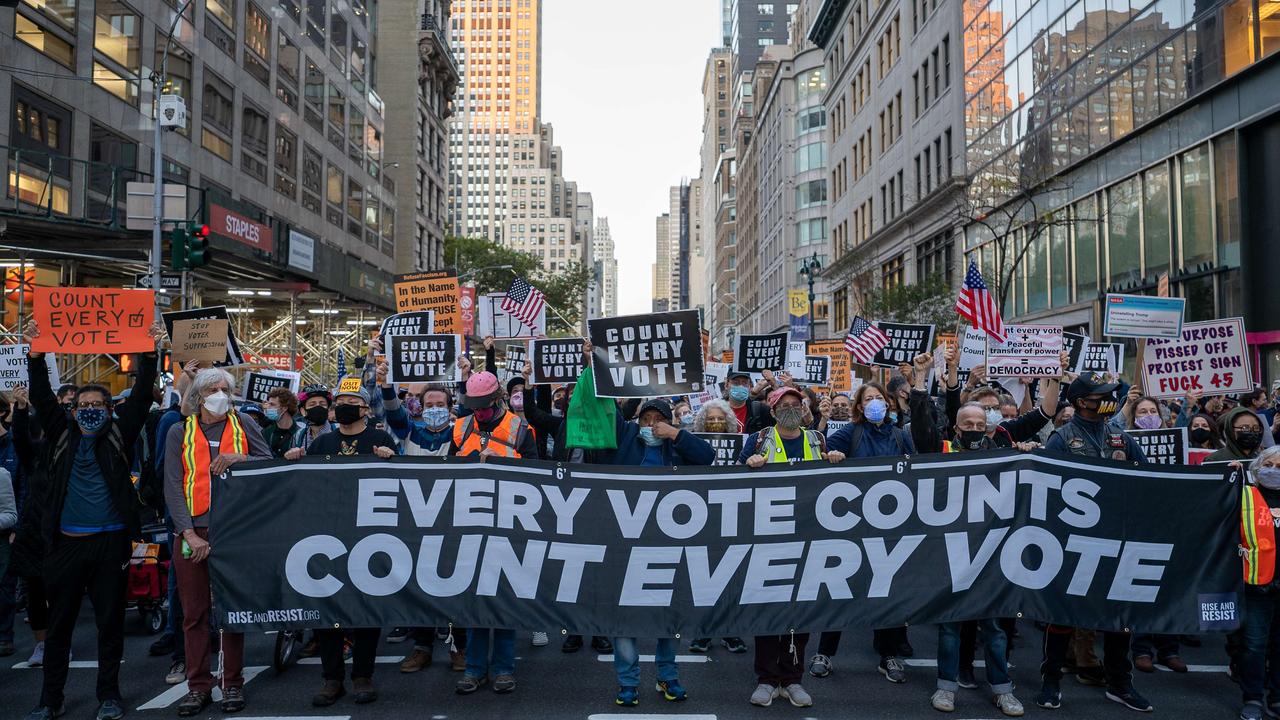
581, 686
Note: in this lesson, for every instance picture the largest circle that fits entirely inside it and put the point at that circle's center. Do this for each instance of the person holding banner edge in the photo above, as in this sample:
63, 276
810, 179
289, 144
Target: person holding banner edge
1257, 661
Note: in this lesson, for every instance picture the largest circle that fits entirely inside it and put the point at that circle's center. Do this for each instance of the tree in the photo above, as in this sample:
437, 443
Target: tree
930, 301
565, 289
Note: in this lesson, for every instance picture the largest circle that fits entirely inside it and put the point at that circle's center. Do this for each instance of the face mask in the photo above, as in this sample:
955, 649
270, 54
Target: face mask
686, 420
971, 439
91, 419
347, 414
1149, 422
1200, 436
893, 417
646, 434
486, 415
876, 410
789, 417
517, 402
1102, 408
1248, 439
557, 412
273, 414
413, 406
994, 418
739, 393
1268, 477
717, 426
436, 416
317, 415
218, 403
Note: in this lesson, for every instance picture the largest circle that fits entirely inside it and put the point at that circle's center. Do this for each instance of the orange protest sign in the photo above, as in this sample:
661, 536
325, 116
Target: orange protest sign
435, 290
93, 320
841, 377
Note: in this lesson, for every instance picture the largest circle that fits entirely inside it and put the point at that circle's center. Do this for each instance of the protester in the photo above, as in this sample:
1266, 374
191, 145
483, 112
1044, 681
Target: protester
8, 579
752, 415
1258, 401
26, 561
317, 404
1258, 658
1203, 432
1241, 436
89, 517
716, 416
283, 421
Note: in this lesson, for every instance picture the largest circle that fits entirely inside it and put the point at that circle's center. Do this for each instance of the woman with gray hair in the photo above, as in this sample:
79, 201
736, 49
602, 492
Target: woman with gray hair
716, 416
212, 437
1260, 502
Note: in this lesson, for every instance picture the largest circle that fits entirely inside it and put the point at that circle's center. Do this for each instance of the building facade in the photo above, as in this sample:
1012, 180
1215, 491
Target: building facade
753, 26
604, 254
716, 107
543, 217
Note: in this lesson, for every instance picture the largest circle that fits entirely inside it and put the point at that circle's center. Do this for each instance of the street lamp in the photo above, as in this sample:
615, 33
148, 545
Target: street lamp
811, 268
157, 155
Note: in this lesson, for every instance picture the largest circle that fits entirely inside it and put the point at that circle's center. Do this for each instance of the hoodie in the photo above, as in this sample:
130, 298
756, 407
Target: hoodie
1232, 451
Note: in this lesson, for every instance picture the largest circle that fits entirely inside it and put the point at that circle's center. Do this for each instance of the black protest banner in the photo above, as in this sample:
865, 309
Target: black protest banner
1165, 446
709, 552
906, 341
258, 385
1101, 358
556, 361
516, 356
757, 353
213, 312
647, 355
817, 369
418, 322
1074, 344
728, 446
423, 358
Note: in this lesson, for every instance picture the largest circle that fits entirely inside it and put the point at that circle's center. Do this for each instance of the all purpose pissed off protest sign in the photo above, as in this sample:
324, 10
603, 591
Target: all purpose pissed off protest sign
93, 320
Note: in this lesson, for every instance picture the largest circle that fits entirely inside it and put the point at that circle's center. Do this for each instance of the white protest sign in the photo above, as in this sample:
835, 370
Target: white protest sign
1210, 358
495, 322
718, 369
1028, 351
1142, 316
795, 359
13, 367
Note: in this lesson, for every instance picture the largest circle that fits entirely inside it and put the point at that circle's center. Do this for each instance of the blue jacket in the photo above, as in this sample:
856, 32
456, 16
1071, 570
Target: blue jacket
877, 440
686, 449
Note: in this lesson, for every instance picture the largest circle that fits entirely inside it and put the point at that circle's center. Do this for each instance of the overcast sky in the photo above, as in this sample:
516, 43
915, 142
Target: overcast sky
622, 86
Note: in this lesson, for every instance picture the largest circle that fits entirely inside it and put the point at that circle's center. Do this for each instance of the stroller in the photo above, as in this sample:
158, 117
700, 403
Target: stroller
148, 585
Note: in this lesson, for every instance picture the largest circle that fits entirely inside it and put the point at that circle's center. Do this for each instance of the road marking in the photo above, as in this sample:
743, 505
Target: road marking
381, 660
293, 717
982, 664
74, 665
650, 658
177, 692
650, 716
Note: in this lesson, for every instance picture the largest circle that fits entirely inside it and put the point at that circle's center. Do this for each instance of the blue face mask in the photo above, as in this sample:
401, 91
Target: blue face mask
646, 434
739, 393
876, 410
435, 417
893, 417
1268, 477
273, 414
91, 420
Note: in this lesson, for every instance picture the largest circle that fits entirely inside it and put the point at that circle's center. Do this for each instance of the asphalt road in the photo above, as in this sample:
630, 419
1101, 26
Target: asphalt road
581, 686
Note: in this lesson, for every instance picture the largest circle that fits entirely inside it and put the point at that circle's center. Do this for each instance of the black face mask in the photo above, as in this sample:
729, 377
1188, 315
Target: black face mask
1248, 439
346, 414
318, 415
1200, 436
972, 439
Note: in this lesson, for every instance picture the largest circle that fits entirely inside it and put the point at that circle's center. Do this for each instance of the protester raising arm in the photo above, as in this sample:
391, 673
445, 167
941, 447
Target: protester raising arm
925, 432
1027, 427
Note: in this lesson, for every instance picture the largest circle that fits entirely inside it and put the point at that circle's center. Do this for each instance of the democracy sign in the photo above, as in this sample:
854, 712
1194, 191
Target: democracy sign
757, 353
906, 341
435, 290
1028, 351
418, 322
92, 320
1101, 358
498, 323
728, 446
647, 355
423, 358
1210, 358
705, 552
1164, 446
213, 312
258, 385
556, 361
14, 363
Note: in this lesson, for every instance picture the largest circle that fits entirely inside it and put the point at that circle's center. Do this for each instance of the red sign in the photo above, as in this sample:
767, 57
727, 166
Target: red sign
467, 305
231, 224
279, 361
85, 321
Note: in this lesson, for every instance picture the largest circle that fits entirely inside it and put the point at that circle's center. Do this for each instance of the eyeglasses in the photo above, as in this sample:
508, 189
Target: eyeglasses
95, 404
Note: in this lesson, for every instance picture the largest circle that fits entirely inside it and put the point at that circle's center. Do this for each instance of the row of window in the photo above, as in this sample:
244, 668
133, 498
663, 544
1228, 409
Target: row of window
891, 123
892, 199
889, 47
933, 78
933, 165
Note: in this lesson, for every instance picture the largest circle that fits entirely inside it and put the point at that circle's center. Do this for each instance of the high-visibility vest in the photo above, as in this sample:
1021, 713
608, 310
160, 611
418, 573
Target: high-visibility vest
196, 457
1257, 538
502, 441
773, 451
947, 447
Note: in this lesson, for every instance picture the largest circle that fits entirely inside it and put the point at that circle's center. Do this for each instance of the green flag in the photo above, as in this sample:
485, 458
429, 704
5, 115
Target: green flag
592, 420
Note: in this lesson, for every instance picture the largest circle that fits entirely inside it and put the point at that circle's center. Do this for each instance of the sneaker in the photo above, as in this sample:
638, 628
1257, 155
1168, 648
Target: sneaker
734, 645
1175, 663
627, 697
540, 639
110, 710
943, 700
1251, 711
398, 635
362, 691
37, 656
1050, 697
419, 659
1092, 676
177, 673
44, 712
700, 646
232, 700
457, 661
329, 694
193, 702
893, 670
469, 684
503, 684
164, 646
820, 666
1009, 705
764, 695
1130, 699
572, 644
798, 696
966, 679
672, 690
1144, 663
601, 644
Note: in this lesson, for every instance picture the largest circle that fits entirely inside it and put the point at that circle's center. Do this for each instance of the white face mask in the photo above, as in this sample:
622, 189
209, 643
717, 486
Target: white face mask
218, 403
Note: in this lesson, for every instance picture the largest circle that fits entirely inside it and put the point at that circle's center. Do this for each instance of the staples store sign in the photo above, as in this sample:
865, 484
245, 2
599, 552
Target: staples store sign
233, 225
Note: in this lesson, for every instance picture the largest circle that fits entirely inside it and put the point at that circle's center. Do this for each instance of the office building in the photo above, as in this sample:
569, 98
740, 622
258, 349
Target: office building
716, 106
603, 252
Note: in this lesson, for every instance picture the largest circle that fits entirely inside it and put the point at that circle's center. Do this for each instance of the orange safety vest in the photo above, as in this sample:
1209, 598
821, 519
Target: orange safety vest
502, 441
1257, 538
196, 457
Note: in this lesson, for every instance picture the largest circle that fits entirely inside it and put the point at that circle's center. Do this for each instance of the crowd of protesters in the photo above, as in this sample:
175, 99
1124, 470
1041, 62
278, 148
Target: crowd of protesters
81, 469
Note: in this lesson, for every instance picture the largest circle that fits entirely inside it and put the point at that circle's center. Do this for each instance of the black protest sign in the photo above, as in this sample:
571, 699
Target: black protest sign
423, 358
556, 361
817, 369
647, 355
1101, 358
906, 341
1164, 446
516, 356
418, 322
726, 551
258, 385
757, 353
1074, 344
213, 312
728, 446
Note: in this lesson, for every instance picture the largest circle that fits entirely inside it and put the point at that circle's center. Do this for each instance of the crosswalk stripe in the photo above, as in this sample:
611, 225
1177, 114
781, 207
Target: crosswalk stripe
650, 658
380, 660
649, 716
73, 665
175, 693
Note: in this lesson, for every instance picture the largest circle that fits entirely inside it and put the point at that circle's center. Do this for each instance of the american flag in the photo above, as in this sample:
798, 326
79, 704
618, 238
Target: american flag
342, 363
977, 305
864, 341
524, 302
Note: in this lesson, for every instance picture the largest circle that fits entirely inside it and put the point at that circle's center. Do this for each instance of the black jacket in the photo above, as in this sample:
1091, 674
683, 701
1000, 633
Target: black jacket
759, 417
114, 449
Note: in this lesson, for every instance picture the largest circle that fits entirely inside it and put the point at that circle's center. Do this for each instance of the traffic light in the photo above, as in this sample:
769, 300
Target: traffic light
198, 252
178, 240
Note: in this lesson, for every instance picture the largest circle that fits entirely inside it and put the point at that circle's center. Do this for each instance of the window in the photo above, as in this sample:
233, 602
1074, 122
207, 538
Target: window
1123, 231
286, 162
291, 9
314, 94
45, 41
811, 193
287, 68
333, 184
317, 19
1086, 250
1197, 229
811, 232
1155, 221
254, 129
218, 113
223, 10
934, 257
257, 42
338, 39
891, 273
811, 157
810, 120
355, 203
116, 38
1227, 199
1059, 266
61, 12
812, 83
764, 9
177, 73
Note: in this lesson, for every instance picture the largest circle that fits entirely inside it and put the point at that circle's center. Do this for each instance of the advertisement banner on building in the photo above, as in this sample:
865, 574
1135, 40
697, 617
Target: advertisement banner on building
302, 251
798, 312
1210, 358
467, 308
240, 228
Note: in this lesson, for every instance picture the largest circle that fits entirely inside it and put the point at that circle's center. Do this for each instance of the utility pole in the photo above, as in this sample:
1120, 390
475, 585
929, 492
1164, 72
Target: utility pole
811, 268
157, 157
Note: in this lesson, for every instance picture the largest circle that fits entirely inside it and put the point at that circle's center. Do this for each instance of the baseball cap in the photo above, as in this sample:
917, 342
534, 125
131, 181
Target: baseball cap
1090, 383
776, 396
659, 404
736, 374
252, 407
364, 396
482, 390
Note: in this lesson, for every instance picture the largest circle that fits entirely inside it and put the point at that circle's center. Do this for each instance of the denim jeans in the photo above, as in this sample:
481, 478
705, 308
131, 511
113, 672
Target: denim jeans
503, 661
995, 645
1261, 635
626, 661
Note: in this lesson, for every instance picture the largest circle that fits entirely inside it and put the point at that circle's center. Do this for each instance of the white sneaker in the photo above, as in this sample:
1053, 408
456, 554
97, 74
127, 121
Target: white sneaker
943, 700
540, 639
797, 695
820, 666
764, 695
1009, 705
37, 656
